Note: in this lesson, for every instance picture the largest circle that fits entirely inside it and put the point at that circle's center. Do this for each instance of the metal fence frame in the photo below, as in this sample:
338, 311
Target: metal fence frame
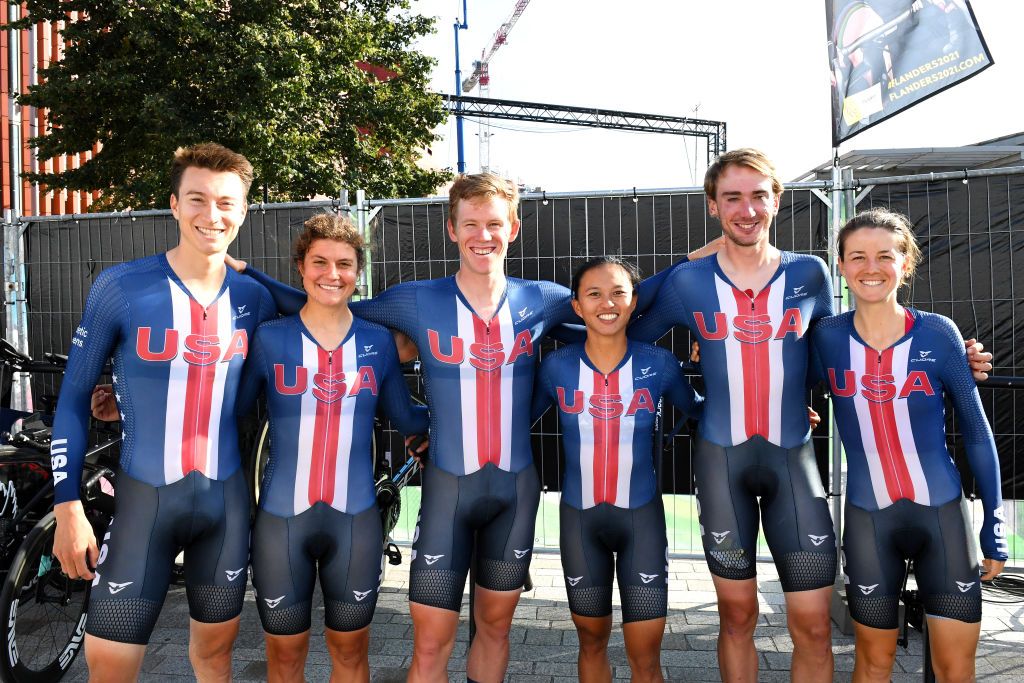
840, 196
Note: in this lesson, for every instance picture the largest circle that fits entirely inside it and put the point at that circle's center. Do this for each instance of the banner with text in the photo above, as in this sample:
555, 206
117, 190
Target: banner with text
887, 55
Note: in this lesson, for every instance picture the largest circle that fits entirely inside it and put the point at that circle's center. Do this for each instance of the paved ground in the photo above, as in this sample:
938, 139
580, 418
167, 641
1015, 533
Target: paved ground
544, 641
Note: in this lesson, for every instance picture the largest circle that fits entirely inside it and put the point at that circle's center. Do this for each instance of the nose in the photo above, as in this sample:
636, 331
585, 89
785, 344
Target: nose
211, 213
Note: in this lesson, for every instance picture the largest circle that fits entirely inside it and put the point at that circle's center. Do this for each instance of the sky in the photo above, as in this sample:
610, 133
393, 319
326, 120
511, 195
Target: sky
762, 67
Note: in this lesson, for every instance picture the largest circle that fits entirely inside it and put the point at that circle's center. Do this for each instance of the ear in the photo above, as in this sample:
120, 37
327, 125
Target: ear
576, 306
451, 231
515, 230
712, 207
174, 207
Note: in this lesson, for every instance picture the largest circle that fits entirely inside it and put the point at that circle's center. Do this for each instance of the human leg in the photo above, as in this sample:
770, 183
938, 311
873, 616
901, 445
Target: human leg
737, 618
875, 653
592, 660
954, 645
643, 649
286, 657
504, 550
350, 658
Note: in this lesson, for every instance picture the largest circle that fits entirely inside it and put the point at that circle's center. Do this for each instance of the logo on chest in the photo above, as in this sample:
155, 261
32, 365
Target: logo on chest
324, 387
486, 356
879, 388
750, 328
605, 406
195, 349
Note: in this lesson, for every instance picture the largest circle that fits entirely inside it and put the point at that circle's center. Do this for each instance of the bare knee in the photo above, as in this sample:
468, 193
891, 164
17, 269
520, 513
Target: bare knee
811, 631
350, 650
645, 665
592, 642
738, 618
953, 670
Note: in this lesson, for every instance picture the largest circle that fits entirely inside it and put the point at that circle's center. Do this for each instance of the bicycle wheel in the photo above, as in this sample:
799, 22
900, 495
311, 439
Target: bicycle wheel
257, 464
42, 612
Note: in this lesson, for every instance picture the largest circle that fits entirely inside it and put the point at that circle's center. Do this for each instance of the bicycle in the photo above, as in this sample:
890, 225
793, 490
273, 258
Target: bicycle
42, 611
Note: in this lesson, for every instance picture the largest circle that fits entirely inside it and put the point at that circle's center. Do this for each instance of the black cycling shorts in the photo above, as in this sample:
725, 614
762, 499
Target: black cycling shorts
288, 553
498, 507
634, 540
209, 519
735, 483
877, 544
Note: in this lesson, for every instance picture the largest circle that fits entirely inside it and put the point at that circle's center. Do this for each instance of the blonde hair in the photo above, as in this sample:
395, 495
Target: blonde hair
330, 226
478, 185
752, 158
892, 221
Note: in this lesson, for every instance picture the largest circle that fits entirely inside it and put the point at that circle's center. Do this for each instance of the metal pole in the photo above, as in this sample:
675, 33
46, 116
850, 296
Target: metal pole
836, 214
458, 91
363, 224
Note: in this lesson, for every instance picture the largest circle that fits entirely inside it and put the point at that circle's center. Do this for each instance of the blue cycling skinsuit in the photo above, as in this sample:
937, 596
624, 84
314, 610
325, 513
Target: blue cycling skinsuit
318, 510
753, 449
177, 368
904, 496
611, 513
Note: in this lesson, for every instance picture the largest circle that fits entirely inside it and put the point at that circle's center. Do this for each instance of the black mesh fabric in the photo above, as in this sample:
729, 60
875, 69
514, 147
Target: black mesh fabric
731, 564
214, 604
498, 575
804, 571
595, 601
285, 621
123, 621
437, 588
347, 616
640, 603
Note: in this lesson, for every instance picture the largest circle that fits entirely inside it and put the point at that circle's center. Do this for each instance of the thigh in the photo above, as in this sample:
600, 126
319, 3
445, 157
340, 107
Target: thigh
134, 569
350, 570
505, 542
947, 569
587, 564
727, 510
216, 557
874, 566
283, 571
796, 520
443, 539
643, 563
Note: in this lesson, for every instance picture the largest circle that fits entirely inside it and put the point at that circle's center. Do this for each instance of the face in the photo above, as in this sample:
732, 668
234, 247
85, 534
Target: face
605, 300
746, 204
210, 207
483, 232
329, 272
873, 264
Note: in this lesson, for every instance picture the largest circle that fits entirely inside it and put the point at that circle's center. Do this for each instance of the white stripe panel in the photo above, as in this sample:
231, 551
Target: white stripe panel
867, 435
177, 383
776, 369
733, 362
626, 424
904, 429
586, 423
508, 337
307, 423
467, 378
350, 366
225, 328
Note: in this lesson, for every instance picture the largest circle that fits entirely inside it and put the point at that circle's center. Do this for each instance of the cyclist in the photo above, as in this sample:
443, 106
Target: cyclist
889, 370
323, 372
749, 307
608, 391
178, 325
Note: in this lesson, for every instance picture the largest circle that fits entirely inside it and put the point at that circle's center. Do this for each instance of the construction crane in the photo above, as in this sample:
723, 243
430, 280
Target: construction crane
481, 75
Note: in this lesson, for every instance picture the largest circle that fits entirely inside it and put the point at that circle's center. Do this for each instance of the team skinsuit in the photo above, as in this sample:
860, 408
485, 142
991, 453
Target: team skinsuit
177, 369
754, 435
478, 378
904, 496
611, 512
318, 508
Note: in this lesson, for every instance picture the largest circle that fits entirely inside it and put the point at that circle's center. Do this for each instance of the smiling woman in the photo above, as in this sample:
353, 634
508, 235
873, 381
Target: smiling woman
890, 369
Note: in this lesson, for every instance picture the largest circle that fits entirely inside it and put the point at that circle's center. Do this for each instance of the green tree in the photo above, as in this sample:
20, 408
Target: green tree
319, 95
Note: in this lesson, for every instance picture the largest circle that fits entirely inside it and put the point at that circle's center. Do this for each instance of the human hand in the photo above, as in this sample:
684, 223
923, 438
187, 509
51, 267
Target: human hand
74, 543
102, 403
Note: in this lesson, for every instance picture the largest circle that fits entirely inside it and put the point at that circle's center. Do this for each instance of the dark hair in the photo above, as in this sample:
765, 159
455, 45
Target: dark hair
330, 226
211, 156
892, 221
597, 261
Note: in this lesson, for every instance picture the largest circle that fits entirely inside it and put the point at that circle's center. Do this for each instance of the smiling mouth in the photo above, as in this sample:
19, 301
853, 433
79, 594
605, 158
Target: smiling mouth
482, 251
330, 288
872, 283
210, 232
608, 317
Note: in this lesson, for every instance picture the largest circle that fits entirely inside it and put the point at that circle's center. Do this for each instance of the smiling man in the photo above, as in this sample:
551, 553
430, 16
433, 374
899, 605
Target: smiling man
178, 326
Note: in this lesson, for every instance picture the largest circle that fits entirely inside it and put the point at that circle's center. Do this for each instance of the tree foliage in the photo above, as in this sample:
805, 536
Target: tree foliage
277, 80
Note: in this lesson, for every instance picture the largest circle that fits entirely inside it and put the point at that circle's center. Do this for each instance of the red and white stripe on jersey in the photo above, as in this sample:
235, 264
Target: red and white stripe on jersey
195, 390
885, 427
755, 370
322, 440
606, 445
487, 394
